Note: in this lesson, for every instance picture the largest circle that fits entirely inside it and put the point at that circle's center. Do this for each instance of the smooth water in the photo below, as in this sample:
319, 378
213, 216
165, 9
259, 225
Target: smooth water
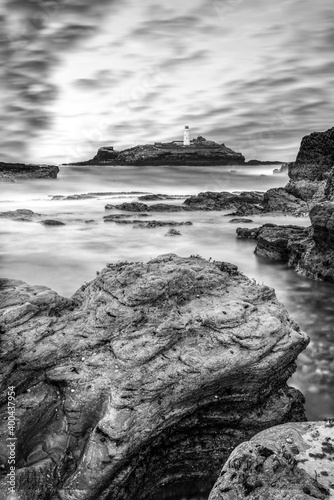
64, 257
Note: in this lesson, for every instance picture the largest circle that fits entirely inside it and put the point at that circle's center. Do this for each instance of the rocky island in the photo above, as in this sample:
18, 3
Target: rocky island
197, 151
149, 376
15, 171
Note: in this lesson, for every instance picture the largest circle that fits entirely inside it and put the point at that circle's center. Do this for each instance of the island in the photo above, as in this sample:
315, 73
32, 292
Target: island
198, 151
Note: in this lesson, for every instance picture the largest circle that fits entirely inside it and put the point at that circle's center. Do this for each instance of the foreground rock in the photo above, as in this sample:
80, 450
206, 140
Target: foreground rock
148, 376
173, 232
293, 461
200, 152
17, 171
309, 250
311, 175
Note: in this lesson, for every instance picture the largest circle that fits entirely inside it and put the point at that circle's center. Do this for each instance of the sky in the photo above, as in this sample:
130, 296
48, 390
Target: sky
256, 75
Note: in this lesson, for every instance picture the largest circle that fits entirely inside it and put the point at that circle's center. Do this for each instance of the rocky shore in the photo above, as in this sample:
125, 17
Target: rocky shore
309, 250
149, 376
15, 171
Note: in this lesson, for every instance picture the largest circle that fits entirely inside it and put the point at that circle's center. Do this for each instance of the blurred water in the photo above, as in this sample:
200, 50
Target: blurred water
64, 257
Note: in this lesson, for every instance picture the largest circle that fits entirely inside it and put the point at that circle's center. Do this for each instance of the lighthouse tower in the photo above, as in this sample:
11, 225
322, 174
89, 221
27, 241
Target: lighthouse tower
186, 136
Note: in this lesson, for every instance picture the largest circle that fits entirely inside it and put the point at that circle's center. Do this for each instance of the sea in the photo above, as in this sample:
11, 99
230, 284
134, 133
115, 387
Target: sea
64, 257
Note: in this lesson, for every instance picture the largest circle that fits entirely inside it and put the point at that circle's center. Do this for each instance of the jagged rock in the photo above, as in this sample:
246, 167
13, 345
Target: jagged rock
314, 163
309, 250
279, 200
13, 171
21, 214
292, 461
52, 222
173, 232
273, 240
148, 376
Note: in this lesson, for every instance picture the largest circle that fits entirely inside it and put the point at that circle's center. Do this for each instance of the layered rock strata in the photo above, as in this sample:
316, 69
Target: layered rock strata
309, 250
17, 171
147, 377
294, 461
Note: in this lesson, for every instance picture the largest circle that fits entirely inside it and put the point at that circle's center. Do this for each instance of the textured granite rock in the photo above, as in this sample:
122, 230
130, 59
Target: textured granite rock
293, 461
310, 250
16, 171
279, 200
148, 376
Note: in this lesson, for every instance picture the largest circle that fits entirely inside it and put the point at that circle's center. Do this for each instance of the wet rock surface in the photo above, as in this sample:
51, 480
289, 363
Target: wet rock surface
240, 220
17, 171
148, 376
294, 461
309, 250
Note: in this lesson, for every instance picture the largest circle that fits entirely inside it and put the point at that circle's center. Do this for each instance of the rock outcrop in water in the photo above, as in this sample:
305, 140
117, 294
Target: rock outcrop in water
311, 175
245, 202
17, 171
293, 461
148, 376
199, 153
309, 250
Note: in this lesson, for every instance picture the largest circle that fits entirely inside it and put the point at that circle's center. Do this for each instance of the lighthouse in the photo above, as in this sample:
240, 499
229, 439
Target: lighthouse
186, 136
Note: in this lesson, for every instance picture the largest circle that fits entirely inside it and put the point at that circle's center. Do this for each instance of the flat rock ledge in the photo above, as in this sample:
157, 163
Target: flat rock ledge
310, 250
147, 378
293, 461
17, 171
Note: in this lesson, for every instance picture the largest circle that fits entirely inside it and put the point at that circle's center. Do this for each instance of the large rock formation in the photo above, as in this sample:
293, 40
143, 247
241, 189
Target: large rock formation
310, 250
293, 461
201, 152
311, 175
12, 171
148, 376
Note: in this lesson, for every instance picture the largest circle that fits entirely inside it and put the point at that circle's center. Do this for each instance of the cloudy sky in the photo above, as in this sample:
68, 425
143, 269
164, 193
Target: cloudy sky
256, 75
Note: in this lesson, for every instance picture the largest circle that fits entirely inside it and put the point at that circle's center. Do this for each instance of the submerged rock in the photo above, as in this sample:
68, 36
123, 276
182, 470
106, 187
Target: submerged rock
241, 220
173, 232
292, 461
13, 171
21, 214
148, 376
52, 222
310, 250
162, 223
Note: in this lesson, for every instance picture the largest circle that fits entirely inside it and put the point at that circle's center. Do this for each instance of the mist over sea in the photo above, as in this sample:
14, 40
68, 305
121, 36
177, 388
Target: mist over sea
64, 257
